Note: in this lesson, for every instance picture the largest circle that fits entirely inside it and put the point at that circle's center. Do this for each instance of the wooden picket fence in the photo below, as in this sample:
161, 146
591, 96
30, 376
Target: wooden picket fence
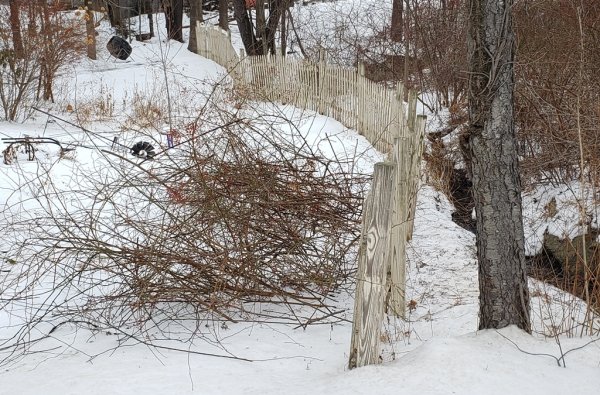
390, 125
215, 44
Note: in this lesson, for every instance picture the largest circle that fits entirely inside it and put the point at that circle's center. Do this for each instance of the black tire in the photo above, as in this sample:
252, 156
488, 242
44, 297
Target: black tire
119, 48
143, 149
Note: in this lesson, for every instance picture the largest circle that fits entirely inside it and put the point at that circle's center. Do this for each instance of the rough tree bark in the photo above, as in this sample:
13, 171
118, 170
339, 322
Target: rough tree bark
90, 29
283, 33
15, 27
261, 21
224, 14
504, 296
173, 10
47, 65
246, 29
276, 9
396, 26
195, 16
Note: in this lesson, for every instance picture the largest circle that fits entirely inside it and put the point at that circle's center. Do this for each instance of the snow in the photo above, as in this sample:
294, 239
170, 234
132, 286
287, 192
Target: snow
564, 220
436, 350
476, 363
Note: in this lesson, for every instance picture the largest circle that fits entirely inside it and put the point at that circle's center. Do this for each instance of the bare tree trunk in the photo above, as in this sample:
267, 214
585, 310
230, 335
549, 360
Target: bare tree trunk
246, 29
276, 8
173, 10
224, 14
284, 29
90, 31
15, 26
261, 21
396, 26
114, 16
151, 23
407, 43
46, 71
195, 16
504, 296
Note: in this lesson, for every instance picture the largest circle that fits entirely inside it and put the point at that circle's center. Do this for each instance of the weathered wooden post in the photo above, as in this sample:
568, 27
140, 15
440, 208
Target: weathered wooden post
240, 72
321, 93
372, 265
396, 260
401, 115
360, 100
412, 110
415, 170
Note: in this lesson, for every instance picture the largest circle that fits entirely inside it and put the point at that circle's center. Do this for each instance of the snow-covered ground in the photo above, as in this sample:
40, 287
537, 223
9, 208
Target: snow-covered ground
436, 350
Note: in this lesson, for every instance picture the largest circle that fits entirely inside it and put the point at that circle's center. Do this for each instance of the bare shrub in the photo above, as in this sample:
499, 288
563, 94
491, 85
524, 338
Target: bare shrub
349, 32
431, 58
440, 36
235, 217
17, 73
101, 108
548, 87
51, 40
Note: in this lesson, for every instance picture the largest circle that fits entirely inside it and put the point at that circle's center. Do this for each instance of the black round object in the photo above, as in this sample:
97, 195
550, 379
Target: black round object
210, 5
119, 47
143, 149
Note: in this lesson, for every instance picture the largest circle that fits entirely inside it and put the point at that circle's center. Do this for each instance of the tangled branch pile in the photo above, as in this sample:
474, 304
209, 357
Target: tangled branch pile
238, 218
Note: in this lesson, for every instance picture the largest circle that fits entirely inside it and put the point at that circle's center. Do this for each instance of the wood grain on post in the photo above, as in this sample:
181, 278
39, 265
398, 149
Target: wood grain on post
412, 110
402, 119
372, 265
321, 83
396, 266
415, 171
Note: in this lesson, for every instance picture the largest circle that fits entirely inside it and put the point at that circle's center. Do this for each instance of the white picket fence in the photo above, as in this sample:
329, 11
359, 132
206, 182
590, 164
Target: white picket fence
215, 44
341, 93
390, 125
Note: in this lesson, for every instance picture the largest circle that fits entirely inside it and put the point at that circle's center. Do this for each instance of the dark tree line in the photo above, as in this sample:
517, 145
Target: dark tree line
258, 35
173, 10
259, 38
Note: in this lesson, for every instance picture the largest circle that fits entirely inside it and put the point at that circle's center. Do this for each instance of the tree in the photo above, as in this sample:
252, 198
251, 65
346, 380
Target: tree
276, 10
195, 16
396, 26
224, 14
15, 25
504, 296
90, 28
258, 41
174, 19
49, 41
246, 29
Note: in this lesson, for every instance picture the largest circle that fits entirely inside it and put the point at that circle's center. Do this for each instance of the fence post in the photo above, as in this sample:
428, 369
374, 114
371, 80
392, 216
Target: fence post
412, 110
399, 107
360, 99
206, 50
240, 72
415, 170
371, 275
321, 83
396, 266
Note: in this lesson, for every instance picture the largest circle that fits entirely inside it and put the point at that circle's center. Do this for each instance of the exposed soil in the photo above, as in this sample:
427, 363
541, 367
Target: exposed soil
557, 265
461, 196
